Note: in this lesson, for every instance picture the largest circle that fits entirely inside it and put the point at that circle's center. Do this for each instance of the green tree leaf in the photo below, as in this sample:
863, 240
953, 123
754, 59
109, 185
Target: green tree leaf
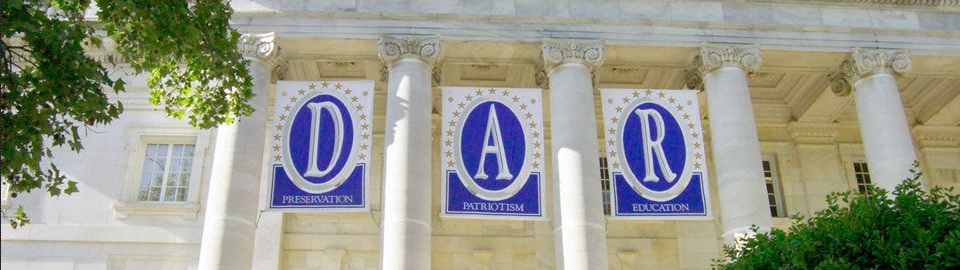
52, 88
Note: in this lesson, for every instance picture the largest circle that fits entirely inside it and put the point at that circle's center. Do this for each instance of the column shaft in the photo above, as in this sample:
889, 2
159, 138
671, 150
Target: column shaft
231, 209
573, 121
883, 126
576, 154
736, 152
407, 184
733, 137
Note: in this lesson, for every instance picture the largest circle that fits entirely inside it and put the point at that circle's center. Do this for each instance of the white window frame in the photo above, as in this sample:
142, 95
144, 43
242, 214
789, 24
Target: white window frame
128, 202
4, 194
777, 186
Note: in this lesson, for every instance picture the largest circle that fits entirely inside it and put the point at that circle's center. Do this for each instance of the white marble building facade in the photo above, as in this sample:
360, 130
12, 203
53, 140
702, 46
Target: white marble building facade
799, 99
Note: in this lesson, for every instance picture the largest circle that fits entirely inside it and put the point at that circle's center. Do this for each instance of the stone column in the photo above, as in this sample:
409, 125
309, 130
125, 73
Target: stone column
742, 193
407, 182
883, 123
231, 208
573, 123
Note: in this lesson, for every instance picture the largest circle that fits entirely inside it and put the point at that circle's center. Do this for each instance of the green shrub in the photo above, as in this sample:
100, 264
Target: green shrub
910, 229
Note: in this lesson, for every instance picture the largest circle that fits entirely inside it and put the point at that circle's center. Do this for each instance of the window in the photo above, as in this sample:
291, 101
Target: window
774, 191
166, 173
605, 185
163, 172
862, 174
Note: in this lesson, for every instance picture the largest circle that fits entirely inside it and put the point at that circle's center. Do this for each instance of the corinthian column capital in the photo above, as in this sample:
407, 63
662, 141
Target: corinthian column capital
590, 53
866, 62
261, 46
264, 47
712, 56
425, 49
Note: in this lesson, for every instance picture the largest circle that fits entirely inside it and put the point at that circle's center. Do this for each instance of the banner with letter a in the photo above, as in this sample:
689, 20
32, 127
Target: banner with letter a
655, 154
321, 145
492, 153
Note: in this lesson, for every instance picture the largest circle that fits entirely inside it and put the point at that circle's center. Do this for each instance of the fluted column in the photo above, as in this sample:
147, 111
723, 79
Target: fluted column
231, 208
883, 123
583, 243
406, 199
722, 71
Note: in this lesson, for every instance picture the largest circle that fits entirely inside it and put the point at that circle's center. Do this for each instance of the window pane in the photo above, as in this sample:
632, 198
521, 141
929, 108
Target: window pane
151, 150
170, 194
186, 164
157, 180
145, 179
150, 164
177, 150
162, 150
188, 150
154, 194
143, 195
181, 194
184, 179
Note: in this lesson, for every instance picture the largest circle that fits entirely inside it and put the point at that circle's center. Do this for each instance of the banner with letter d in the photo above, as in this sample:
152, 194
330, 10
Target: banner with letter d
655, 153
492, 153
320, 146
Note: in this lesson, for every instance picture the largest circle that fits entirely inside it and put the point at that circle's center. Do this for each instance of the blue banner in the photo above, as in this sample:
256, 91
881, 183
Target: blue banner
321, 146
656, 154
492, 160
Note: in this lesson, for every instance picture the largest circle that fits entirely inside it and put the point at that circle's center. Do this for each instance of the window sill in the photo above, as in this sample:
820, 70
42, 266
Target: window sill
185, 210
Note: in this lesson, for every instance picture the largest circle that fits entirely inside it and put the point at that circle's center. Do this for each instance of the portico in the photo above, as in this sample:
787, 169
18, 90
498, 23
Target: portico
774, 91
797, 99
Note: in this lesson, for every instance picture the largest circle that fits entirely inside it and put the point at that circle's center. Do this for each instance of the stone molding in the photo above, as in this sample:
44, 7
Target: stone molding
712, 56
264, 47
555, 52
927, 137
866, 62
813, 133
426, 49
930, 3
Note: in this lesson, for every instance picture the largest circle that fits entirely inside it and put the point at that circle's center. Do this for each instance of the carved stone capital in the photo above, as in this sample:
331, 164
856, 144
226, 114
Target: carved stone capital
264, 47
261, 46
425, 49
587, 52
866, 62
712, 56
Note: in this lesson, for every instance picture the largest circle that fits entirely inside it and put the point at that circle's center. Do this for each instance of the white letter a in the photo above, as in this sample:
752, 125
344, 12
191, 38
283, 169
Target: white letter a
493, 131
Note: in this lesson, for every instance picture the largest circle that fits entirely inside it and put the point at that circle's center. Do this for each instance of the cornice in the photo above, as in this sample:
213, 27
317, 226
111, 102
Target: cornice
713, 56
426, 49
865, 62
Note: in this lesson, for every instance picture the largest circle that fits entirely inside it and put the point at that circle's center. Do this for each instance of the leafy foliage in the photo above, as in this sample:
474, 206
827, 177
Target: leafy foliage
908, 229
53, 87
